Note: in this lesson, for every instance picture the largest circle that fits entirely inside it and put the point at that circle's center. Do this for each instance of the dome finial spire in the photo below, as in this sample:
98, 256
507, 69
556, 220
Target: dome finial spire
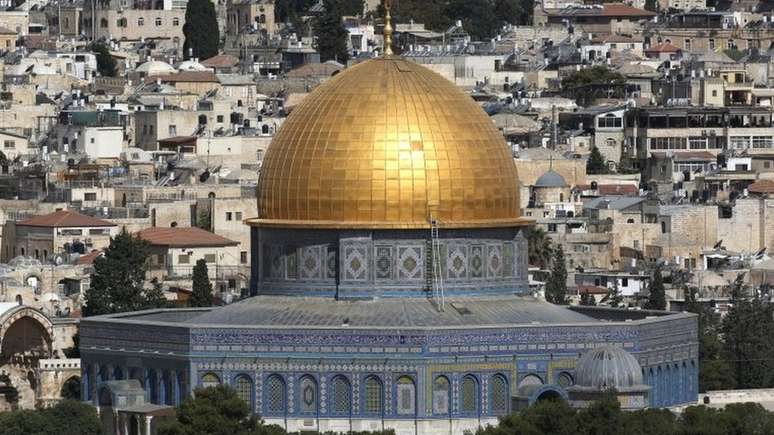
387, 28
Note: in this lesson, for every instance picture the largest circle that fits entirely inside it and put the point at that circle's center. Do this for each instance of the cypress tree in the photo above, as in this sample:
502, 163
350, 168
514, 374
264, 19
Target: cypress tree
106, 64
200, 30
202, 288
331, 34
118, 281
556, 287
657, 298
596, 163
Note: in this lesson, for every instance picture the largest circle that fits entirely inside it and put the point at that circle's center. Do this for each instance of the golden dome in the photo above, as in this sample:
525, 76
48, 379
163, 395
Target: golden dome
385, 144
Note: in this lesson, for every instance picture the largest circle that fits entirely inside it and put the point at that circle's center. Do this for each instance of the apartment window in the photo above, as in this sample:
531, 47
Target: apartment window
762, 142
711, 44
243, 257
228, 216
636, 244
9, 144
184, 259
210, 258
767, 165
175, 22
173, 130
625, 281
740, 142
730, 44
90, 196
141, 21
714, 92
91, 140
609, 121
687, 44
220, 118
697, 143
551, 228
158, 22
238, 216
98, 232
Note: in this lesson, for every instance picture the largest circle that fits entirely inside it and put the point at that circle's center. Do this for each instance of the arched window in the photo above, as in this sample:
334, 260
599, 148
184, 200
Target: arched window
530, 380
630, 221
308, 389
469, 395
158, 22
175, 22
374, 394
500, 395
244, 389
275, 395
103, 23
141, 21
406, 396
441, 395
340, 396
565, 380
210, 380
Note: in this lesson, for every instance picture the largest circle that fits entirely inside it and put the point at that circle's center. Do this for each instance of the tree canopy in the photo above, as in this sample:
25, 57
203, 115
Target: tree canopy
202, 288
66, 417
657, 297
539, 247
331, 34
118, 281
596, 162
597, 81
106, 63
556, 287
201, 30
605, 417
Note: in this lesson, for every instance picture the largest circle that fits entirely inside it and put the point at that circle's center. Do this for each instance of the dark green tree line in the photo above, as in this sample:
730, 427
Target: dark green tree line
201, 30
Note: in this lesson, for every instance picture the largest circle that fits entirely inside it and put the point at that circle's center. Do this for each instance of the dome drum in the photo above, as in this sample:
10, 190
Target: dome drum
351, 264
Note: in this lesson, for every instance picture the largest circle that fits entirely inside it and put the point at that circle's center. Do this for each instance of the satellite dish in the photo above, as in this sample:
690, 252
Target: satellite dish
58, 260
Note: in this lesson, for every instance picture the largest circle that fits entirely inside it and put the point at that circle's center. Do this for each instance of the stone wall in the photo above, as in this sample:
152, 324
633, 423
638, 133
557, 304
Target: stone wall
573, 171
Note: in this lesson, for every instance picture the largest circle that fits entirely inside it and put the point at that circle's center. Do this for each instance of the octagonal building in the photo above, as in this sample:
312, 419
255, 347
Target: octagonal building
389, 281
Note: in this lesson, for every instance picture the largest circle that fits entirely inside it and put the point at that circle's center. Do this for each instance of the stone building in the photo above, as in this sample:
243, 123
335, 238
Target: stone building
390, 279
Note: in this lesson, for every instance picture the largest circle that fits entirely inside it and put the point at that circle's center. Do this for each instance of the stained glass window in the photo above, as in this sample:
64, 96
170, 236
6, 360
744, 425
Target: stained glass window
210, 380
441, 395
340, 397
275, 394
469, 398
500, 394
308, 395
244, 389
373, 395
406, 396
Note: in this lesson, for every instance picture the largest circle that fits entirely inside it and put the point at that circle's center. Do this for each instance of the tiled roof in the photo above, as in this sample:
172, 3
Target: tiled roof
220, 61
188, 76
663, 48
65, 218
90, 257
179, 237
762, 186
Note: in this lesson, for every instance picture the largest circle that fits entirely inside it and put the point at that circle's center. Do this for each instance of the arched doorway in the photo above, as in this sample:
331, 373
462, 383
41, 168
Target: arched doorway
25, 340
71, 389
549, 395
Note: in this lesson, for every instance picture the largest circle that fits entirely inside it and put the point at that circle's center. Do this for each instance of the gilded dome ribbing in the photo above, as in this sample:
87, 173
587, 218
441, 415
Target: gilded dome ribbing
385, 144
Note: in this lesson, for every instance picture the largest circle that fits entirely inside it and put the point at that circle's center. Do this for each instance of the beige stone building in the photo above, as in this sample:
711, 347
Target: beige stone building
249, 16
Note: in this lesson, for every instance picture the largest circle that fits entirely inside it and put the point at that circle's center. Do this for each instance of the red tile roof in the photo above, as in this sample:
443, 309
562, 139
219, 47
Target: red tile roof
220, 61
64, 218
662, 48
762, 186
592, 289
187, 77
179, 237
90, 257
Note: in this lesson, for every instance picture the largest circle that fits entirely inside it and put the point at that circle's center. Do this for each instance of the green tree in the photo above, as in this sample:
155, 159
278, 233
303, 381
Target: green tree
657, 297
539, 247
66, 417
614, 298
587, 84
118, 281
602, 417
587, 299
106, 64
351, 8
748, 336
556, 287
331, 34
216, 411
649, 422
202, 288
201, 30
514, 11
716, 372
596, 162
478, 18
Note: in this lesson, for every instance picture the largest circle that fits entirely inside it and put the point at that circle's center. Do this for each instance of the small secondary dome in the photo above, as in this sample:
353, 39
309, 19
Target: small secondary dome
608, 367
551, 179
191, 65
155, 67
386, 144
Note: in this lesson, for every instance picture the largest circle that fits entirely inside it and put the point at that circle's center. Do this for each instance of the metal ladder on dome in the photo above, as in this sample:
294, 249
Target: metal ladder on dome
437, 275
